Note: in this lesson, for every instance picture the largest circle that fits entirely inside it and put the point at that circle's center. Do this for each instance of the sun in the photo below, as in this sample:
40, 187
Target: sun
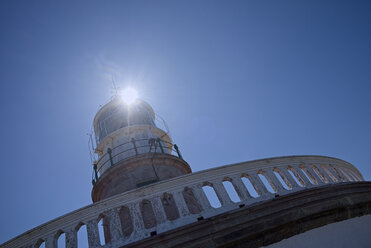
129, 95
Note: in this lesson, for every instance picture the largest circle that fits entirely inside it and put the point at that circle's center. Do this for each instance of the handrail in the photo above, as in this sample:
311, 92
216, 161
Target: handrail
179, 201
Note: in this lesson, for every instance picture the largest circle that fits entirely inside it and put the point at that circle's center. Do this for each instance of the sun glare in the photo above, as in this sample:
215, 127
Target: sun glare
129, 95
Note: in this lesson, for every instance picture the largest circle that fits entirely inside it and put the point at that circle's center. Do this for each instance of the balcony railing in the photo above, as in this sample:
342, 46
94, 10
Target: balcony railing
157, 208
131, 149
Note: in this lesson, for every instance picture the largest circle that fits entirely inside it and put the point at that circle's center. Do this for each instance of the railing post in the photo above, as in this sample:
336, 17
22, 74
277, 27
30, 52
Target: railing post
336, 173
137, 220
95, 172
240, 188
312, 174
109, 151
272, 179
159, 143
71, 238
304, 181
351, 174
177, 151
221, 193
309, 179
348, 178
201, 197
93, 234
359, 176
158, 210
328, 173
135, 146
51, 242
258, 184
180, 203
152, 143
114, 225
320, 174
290, 181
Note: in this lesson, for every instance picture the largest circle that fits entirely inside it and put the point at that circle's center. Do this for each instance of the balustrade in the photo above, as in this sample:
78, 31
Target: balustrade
133, 215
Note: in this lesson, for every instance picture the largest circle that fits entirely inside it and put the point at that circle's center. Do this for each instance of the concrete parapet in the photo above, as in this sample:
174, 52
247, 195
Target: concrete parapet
286, 189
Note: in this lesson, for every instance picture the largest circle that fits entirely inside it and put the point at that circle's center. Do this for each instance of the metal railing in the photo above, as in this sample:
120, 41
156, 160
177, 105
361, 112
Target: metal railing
96, 136
131, 149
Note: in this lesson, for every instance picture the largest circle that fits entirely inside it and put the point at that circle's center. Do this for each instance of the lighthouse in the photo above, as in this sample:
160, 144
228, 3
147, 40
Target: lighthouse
132, 151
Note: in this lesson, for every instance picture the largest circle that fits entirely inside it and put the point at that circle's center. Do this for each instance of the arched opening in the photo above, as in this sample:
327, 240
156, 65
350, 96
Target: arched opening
250, 188
211, 196
319, 174
82, 236
328, 172
267, 183
125, 220
61, 239
232, 193
337, 172
40, 243
103, 230
282, 179
349, 178
308, 175
299, 181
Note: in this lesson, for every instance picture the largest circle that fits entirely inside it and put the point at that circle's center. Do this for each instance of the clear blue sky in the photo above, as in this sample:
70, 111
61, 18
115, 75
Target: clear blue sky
235, 81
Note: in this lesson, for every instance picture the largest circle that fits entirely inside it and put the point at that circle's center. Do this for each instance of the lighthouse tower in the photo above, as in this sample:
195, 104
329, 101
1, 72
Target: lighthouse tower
132, 151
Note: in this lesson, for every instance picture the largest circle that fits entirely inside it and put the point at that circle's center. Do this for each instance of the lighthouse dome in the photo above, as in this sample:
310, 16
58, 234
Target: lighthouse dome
117, 114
